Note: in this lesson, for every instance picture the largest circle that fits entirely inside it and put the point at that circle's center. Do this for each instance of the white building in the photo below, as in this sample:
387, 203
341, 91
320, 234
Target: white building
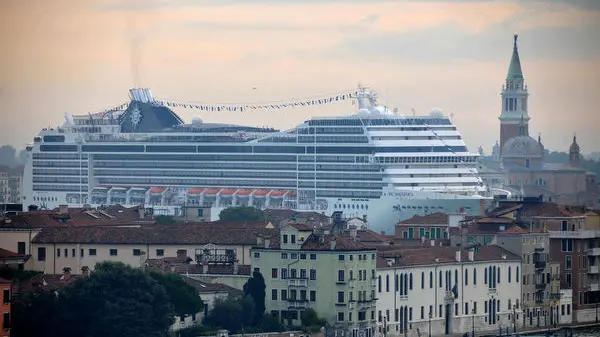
442, 290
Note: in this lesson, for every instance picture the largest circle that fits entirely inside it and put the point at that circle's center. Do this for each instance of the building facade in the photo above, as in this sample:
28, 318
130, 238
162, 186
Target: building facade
445, 290
6, 290
334, 275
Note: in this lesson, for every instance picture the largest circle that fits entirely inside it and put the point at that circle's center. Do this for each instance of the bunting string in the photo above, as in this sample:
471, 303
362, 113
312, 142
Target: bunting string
241, 107
254, 107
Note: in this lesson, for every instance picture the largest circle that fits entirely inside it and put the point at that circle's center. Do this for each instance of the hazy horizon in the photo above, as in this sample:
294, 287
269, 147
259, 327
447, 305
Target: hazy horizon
80, 57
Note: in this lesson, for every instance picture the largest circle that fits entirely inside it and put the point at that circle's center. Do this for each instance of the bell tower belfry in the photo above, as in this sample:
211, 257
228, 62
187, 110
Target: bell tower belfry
514, 115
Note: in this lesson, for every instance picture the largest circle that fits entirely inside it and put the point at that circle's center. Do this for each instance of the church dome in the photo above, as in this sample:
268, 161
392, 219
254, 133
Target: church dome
522, 146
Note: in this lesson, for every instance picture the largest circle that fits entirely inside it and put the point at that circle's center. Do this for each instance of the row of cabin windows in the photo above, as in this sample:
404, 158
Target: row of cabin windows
91, 252
404, 282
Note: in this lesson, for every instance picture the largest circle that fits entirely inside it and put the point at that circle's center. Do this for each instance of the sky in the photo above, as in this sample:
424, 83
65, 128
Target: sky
82, 56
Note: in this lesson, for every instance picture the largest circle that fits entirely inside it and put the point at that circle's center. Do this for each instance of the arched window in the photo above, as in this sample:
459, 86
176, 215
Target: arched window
466, 277
474, 276
387, 283
517, 279
405, 284
379, 283
410, 282
396, 283
509, 274
455, 276
401, 285
422, 280
440, 279
498, 274
430, 279
485, 281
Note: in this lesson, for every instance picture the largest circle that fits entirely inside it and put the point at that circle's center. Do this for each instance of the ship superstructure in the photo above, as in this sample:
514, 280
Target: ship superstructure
373, 164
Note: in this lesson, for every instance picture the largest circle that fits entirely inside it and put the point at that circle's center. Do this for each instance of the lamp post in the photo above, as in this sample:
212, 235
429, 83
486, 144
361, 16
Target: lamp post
473, 323
430, 324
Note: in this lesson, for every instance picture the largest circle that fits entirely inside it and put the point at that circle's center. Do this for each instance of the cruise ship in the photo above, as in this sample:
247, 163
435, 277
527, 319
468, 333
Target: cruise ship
374, 164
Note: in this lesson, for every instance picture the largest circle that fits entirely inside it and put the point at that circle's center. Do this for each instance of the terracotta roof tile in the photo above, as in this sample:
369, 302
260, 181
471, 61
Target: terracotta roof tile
324, 242
163, 234
438, 218
48, 282
178, 266
428, 256
208, 287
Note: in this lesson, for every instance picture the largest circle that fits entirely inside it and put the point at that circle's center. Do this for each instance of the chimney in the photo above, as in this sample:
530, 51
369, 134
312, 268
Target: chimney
353, 232
259, 241
63, 209
458, 255
471, 255
332, 244
267, 243
204, 267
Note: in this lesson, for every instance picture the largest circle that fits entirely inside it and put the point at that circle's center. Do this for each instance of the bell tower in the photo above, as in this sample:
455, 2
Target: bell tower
514, 116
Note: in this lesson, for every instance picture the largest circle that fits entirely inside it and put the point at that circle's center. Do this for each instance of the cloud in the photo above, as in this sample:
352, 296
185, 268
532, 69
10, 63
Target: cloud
451, 43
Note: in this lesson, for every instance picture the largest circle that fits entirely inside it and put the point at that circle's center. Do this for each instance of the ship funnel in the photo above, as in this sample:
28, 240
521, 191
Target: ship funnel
140, 95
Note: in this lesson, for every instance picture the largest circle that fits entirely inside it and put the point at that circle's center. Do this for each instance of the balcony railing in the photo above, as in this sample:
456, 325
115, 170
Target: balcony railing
584, 234
540, 286
594, 251
297, 304
298, 282
555, 296
593, 269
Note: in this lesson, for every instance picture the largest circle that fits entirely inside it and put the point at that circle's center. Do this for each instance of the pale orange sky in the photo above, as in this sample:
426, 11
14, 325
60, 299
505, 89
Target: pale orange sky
76, 56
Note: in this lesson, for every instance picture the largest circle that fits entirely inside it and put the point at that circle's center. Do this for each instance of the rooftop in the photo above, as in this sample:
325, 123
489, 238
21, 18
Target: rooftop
207, 287
199, 233
427, 256
179, 266
438, 218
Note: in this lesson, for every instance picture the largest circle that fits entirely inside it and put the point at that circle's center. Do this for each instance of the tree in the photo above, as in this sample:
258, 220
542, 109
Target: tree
165, 220
231, 313
311, 321
115, 300
183, 297
256, 289
241, 213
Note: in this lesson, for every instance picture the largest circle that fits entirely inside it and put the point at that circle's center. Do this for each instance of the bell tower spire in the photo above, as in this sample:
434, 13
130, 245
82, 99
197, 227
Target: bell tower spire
514, 117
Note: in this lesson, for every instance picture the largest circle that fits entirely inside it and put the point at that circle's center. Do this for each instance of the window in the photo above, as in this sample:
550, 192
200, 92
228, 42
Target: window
466, 277
422, 280
475, 308
341, 257
303, 256
283, 294
485, 281
41, 253
340, 297
113, 252
341, 276
160, 252
293, 238
566, 245
274, 295
387, 283
274, 272
379, 283
58, 252
73, 252
92, 252
6, 321
474, 276
568, 262
6, 296
256, 255
340, 317
517, 275
430, 279
66, 252
509, 273
568, 279
21, 248
285, 238
81, 252
313, 256
313, 295
137, 252
313, 274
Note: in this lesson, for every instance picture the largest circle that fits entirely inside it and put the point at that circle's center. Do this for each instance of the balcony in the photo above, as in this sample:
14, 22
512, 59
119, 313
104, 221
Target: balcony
297, 304
593, 269
554, 296
540, 286
540, 265
491, 290
584, 234
593, 252
298, 282
594, 286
